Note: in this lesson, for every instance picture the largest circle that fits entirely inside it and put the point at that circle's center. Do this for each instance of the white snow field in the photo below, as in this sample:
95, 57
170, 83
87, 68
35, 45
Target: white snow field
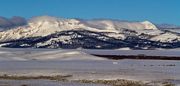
28, 54
44, 54
81, 65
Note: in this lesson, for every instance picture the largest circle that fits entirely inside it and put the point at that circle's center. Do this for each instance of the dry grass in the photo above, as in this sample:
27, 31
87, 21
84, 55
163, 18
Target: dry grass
118, 82
56, 77
167, 84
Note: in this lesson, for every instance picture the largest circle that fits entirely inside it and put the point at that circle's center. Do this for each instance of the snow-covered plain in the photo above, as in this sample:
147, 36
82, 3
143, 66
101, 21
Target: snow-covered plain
81, 65
44, 55
7, 54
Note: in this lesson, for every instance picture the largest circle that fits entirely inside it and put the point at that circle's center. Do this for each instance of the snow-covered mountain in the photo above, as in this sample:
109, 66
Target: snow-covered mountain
169, 27
52, 32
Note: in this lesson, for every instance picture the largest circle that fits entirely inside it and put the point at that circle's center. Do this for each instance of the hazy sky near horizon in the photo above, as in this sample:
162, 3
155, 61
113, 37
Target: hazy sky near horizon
157, 11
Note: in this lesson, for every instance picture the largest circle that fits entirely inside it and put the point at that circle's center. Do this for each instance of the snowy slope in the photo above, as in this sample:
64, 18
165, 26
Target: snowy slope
52, 32
166, 37
119, 25
45, 25
44, 55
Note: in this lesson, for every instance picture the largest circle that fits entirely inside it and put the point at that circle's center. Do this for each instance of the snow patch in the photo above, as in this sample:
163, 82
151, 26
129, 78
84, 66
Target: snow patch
166, 37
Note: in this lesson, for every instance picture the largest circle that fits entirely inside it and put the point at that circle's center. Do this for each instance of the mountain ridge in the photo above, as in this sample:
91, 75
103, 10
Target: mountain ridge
102, 32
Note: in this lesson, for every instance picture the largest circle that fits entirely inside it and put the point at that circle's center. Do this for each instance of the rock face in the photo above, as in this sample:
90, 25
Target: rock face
52, 32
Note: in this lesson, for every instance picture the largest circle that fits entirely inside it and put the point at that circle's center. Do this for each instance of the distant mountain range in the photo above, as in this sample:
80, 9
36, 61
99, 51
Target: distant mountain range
167, 26
52, 32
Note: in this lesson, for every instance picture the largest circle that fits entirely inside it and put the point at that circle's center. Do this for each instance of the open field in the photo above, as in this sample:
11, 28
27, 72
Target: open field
138, 70
23, 67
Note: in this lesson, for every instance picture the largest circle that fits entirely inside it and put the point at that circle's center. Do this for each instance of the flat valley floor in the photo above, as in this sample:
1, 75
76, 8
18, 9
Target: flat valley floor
147, 71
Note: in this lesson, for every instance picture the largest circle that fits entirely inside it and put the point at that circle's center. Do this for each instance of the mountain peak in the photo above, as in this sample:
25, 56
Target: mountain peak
43, 18
149, 26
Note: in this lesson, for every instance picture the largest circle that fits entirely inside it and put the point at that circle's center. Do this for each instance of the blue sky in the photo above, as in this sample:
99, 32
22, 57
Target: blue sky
157, 11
